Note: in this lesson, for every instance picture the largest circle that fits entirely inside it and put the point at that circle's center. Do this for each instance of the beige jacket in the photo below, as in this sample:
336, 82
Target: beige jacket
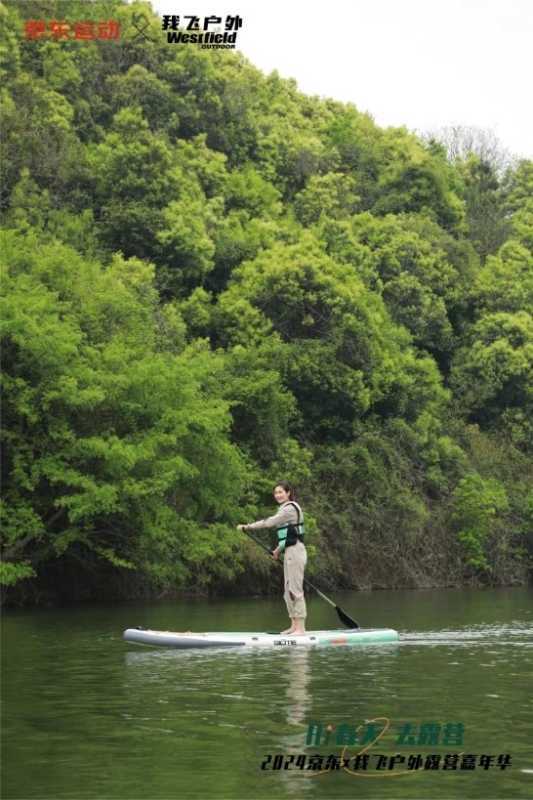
285, 515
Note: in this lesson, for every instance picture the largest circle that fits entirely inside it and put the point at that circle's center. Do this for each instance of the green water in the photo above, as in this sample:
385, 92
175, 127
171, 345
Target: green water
86, 715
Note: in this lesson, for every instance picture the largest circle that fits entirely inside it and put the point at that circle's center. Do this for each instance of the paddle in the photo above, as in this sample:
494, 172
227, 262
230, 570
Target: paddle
344, 618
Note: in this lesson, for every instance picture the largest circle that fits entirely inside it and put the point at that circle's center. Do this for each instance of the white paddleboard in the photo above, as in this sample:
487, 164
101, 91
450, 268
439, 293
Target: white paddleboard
188, 639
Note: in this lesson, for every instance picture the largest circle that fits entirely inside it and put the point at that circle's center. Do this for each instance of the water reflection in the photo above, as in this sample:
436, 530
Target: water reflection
298, 705
298, 685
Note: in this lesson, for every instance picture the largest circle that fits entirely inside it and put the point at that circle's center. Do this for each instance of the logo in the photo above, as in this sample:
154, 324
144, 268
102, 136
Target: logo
140, 20
209, 32
61, 30
364, 764
207, 35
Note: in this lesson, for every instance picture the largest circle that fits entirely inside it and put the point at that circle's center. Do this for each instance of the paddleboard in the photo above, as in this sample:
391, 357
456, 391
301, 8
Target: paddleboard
188, 639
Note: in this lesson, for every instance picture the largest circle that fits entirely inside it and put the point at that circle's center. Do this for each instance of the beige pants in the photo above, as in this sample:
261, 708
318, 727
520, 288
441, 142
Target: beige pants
294, 561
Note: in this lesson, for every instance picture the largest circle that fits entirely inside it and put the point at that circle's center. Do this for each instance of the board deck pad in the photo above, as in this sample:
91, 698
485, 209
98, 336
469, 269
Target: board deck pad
190, 639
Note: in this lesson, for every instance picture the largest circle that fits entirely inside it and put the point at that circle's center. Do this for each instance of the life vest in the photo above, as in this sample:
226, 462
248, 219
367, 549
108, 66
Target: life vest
291, 533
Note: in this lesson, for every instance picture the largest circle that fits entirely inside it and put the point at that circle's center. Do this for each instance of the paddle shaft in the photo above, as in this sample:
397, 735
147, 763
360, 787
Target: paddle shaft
346, 620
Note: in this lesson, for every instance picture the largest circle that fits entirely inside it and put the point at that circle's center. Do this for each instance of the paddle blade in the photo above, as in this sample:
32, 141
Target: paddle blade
345, 619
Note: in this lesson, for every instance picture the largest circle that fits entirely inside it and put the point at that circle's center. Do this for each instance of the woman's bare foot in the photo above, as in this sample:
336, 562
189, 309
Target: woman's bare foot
288, 630
298, 627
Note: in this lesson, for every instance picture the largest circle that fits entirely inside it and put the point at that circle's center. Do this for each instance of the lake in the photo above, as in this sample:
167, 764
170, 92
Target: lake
87, 715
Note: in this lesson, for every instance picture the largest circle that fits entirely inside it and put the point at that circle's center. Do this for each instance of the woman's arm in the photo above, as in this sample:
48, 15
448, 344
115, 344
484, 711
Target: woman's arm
284, 515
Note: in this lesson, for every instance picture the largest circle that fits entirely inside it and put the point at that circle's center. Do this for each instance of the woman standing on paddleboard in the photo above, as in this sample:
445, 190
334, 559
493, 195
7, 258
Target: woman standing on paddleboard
289, 524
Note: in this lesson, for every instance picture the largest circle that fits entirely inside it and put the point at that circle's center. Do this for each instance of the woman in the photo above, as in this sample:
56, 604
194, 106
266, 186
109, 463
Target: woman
289, 523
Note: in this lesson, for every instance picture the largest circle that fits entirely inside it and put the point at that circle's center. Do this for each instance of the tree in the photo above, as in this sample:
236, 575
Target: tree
477, 505
488, 222
116, 443
133, 181
462, 141
344, 354
492, 375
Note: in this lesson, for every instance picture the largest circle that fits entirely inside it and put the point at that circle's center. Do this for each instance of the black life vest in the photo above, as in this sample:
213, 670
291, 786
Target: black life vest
291, 533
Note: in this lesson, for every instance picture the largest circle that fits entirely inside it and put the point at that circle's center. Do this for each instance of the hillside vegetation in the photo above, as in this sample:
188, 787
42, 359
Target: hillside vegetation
212, 282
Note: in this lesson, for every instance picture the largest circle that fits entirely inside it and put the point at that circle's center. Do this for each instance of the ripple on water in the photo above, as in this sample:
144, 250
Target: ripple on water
515, 634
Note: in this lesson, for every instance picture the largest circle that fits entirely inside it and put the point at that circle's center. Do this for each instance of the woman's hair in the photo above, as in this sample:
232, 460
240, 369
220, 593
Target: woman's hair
288, 488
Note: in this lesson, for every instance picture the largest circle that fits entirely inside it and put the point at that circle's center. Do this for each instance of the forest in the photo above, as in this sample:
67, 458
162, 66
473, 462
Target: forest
212, 282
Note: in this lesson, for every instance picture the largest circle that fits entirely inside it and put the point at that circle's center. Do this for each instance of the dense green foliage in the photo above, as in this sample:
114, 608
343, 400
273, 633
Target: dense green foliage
212, 281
